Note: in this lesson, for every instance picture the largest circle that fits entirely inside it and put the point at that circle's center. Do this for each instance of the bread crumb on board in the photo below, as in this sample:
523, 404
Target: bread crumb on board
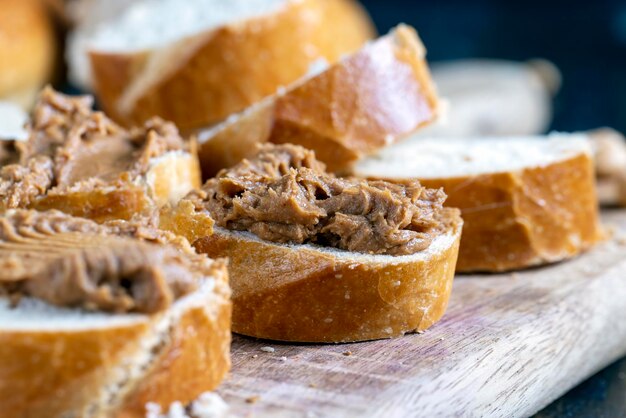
253, 399
207, 405
267, 349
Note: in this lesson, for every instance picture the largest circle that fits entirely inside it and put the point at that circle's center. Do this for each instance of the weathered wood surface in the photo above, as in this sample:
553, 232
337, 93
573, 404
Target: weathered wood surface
508, 345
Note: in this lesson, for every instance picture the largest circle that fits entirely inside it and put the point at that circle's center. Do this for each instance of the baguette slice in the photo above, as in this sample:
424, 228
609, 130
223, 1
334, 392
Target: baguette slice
197, 64
308, 293
525, 201
59, 361
318, 258
81, 163
365, 102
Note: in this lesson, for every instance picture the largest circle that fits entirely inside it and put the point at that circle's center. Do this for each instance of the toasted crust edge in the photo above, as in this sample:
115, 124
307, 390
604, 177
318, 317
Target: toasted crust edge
296, 293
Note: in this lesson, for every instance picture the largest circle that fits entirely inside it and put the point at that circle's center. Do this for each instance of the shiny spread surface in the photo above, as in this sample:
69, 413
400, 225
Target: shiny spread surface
75, 262
72, 148
285, 195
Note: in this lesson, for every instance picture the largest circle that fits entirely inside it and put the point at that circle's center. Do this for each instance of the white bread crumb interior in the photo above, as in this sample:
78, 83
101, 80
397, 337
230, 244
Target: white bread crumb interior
439, 244
150, 24
165, 21
35, 315
457, 157
12, 121
208, 405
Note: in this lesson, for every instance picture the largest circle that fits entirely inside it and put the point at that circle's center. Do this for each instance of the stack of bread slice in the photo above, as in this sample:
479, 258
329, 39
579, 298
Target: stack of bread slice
100, 319
525, 201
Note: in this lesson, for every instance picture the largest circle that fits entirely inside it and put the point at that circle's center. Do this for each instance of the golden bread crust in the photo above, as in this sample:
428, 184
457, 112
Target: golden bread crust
296, 293
365, 102
516, 220
225, 65
68, 373
195, 360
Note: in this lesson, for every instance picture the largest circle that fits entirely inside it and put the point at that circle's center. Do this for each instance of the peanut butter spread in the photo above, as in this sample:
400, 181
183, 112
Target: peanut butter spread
285, 195
75, 262
72, 148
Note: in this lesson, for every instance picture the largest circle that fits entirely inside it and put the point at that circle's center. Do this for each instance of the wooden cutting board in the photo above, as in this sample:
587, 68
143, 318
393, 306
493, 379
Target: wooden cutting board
508, 345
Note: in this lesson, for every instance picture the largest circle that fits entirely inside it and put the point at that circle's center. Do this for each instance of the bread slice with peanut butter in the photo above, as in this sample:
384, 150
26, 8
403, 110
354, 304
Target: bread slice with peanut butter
318, 258
99, 320
78, 161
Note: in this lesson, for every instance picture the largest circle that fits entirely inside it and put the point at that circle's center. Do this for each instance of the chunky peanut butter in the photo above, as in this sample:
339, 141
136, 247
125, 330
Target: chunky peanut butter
70, 148
75, 262
285, 195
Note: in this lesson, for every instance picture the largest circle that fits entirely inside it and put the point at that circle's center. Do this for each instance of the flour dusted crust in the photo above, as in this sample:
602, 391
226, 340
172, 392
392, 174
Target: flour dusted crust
367, 101
201, 80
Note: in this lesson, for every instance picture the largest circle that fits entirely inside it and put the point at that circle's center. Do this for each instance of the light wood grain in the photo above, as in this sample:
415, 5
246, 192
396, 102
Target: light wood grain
508, 345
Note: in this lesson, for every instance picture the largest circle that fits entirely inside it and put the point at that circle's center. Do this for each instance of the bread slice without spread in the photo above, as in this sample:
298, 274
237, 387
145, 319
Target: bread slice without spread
524, 201
197, 64
78, 161
365, 102
328, 259
66, 353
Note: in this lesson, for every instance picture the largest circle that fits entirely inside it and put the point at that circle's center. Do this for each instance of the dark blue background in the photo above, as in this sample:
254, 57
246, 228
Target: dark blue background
585, 39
